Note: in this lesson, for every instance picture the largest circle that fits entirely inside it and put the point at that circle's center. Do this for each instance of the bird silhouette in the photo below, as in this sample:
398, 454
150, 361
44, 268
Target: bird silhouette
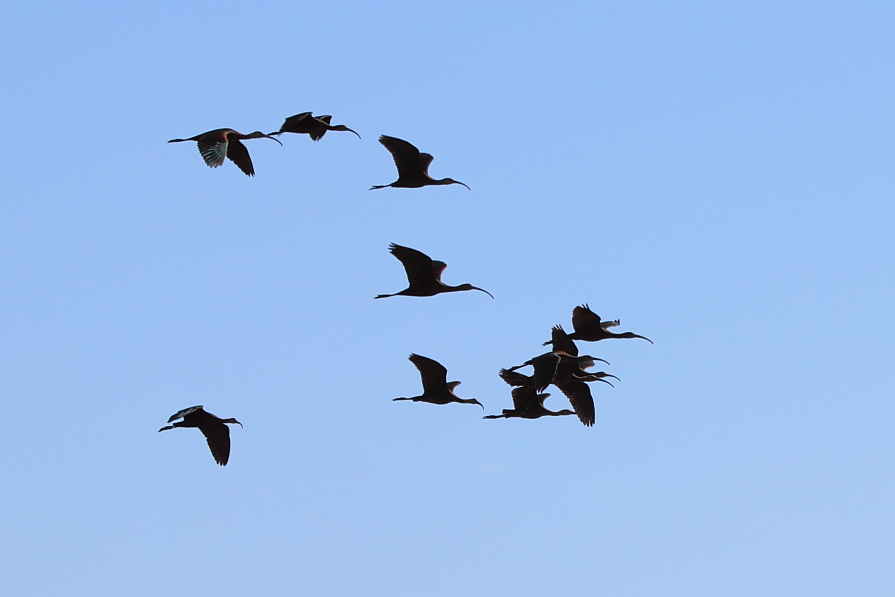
436, 388
527, 402
423, 274
213, 428
589, 327
315, 126
413, 166
547, 365
226, 143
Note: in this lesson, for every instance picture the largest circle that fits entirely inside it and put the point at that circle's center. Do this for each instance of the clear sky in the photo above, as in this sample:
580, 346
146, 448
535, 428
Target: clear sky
717, 176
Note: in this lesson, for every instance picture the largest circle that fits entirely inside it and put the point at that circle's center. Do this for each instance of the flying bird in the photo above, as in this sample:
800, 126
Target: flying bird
315, 126
213, 428
547, 366
423, 274
226, 143
413, 166
527, 402
436, 388
590, 328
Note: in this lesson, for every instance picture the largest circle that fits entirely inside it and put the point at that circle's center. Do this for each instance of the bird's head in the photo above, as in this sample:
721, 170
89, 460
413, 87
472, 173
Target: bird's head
633, 335
233, 421
471, 287
342, 127
452, 181
588, 361
259, 134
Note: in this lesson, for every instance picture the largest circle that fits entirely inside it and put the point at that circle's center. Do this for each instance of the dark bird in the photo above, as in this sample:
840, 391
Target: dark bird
225, 143
413, 166
315, 126
547, 365
527, 403
213, 428
436, 388
589, 327
423, 274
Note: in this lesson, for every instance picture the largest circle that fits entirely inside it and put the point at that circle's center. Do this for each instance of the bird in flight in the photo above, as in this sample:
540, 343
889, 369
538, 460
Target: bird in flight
527, 402
413, 166
436, 388
226, 143
314, 126
213, 428
590, 328
424, 274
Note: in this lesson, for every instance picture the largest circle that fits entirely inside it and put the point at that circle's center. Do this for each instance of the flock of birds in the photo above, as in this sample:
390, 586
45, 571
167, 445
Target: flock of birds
562, 366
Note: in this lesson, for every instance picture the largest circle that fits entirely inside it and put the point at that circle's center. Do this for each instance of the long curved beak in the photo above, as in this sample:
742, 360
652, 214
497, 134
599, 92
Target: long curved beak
274, 138
644, 338
464, 184
483, 290
353, 131
604, 381
479, 403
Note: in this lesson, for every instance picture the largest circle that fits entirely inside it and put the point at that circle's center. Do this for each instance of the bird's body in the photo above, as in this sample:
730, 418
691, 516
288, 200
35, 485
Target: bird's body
423, 274
314, 126
226, 143
213, 428
527, 402
436, 388
548, 365
413, 166
589, 328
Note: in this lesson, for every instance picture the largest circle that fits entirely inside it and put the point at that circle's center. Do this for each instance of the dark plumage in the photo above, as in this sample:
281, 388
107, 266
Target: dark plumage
527, 402
546, 366
413, 166
423, 274
213, 428
589, 328
225, 143
436, 388
314, 126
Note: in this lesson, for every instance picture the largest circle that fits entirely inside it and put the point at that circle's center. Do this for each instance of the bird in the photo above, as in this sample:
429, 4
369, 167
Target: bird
213, 428
547, 365
436, 388
315, 126
589, 327
527, 402
413, 166
423, 274
226, 143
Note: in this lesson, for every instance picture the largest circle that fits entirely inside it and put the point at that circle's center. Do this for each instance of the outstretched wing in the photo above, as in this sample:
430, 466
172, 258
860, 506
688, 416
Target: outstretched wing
239, 155
418, 266
433, 373
213, 153
407, 157
561, 341
184, 412
296, 124
526, 399
218, 437
425, 161
585, 320
516, 379
579, 395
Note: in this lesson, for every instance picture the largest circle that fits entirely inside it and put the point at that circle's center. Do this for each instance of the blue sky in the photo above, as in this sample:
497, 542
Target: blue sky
718, 177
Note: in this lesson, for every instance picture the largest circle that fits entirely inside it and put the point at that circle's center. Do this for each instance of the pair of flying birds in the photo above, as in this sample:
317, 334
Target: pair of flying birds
216, 145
